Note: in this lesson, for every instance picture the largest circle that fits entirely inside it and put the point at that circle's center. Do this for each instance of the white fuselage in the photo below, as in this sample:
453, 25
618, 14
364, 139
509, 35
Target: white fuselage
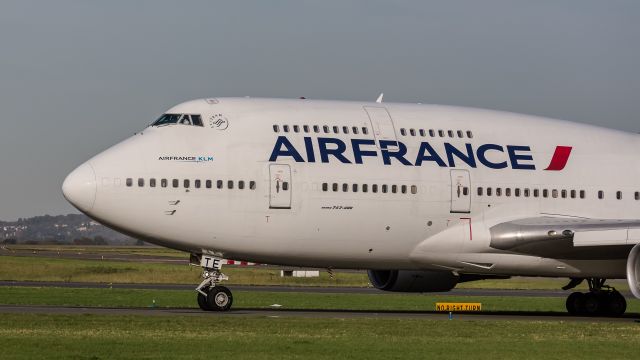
431, 214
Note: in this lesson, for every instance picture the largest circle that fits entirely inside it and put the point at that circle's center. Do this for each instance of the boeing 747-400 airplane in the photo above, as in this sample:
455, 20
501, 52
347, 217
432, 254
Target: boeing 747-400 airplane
424, 196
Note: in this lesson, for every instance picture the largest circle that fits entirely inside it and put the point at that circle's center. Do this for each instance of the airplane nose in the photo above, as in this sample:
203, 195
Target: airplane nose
79, 188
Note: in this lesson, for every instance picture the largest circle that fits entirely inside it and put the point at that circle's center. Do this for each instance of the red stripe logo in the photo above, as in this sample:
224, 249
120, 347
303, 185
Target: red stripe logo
560, 158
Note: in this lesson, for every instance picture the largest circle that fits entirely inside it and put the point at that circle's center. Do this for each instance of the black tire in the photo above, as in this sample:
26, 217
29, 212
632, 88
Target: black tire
575, 303
614, 304
592, 304
220, 298
202, 302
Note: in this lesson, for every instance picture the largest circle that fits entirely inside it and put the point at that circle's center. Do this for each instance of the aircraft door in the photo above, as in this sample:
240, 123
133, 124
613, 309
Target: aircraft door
382, 125
280, 186
460, 191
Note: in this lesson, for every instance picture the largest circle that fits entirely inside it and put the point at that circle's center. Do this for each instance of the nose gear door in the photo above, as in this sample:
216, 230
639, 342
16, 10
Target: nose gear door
280, 186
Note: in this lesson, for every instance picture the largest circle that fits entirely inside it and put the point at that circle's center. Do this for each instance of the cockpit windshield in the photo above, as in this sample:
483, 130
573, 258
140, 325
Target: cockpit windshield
180, 119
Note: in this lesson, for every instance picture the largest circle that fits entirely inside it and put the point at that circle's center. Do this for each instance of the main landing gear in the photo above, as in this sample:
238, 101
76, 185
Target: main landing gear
211, 296
601, 300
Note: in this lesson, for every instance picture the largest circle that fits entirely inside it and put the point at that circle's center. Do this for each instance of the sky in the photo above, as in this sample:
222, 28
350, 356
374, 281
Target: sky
79, 76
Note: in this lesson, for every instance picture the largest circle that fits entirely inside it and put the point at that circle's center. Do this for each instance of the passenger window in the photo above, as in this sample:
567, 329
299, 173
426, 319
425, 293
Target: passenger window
336, 130
412, 132
129, 182
403, 132
489, 191
554, 193
563, 193
423, 133
345, 187
374, 188
394, 188
296, 128
517, 192
573, 194
365, 130
498, 191
527, 192
384, 188
306, 128
326, 129
637, 195
460, 134
354, 188
601, 194
196, 184
582, 194
140, 182
432, 133
276, 128
355, 130
230, 184
619, 195
334, 187
175, 183
316, 128
545, 193
152, 182
536, 192
403, 189
163, 183
241, 184
441, 133
465, 191
450, 133
285, 186
208, 184
285, 128
479, 191
345, 129
365, 187
414, 189
252, 185
507, 192
325, 186
469, 134
186, 183
219, 184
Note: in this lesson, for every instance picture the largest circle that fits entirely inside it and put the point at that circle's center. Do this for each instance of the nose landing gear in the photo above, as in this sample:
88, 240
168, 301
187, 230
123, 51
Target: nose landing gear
601, 300
212, 297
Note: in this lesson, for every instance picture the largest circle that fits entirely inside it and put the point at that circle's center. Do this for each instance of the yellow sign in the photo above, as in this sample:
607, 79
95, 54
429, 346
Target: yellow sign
458, 307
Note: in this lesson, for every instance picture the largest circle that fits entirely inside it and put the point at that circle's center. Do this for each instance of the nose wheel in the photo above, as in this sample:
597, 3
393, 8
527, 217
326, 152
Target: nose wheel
211, 296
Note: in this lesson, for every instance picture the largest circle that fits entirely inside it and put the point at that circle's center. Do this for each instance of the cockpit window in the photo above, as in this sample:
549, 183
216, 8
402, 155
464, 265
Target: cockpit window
182, 119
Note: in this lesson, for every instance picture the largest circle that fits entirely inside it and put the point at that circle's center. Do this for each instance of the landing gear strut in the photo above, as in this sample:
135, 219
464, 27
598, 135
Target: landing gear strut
211, 296
601, 300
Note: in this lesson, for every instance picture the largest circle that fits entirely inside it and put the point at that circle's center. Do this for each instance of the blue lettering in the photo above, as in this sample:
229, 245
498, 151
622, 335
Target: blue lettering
399, 155
483, 159
337, 152
515, 158
359, 153
467, 158
288, 150
432, 156
311, 156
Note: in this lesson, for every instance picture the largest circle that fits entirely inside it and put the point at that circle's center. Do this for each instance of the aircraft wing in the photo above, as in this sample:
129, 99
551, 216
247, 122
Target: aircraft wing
566, 237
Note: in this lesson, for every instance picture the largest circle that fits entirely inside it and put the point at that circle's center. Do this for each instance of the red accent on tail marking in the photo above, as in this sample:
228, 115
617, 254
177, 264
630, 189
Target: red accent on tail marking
560, 158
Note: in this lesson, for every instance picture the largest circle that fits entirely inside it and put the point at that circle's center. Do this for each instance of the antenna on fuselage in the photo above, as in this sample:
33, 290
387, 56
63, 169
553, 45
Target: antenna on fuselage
379, 99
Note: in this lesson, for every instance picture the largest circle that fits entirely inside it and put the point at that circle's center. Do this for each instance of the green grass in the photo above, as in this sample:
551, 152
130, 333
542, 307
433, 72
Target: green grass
29, 336
288, 300
105, 271
100, 249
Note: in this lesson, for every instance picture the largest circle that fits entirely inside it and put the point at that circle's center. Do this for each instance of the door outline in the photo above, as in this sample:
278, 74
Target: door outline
280, 186
460, 201
382, 125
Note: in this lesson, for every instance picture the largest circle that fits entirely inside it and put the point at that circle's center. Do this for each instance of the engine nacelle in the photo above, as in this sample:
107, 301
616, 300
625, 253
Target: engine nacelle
633, 271
412, 281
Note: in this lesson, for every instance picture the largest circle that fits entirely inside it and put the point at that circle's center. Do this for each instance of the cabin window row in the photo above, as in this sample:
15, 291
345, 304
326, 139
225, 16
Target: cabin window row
545, 193
326, 129
197, 184
436, 133
365, 188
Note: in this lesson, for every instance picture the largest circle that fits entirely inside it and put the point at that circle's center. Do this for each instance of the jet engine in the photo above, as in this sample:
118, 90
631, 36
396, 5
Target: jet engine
633, 271
412, 281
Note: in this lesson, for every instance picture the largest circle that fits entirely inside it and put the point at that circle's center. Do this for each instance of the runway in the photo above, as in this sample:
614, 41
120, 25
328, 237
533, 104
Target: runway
303, 289
316, 314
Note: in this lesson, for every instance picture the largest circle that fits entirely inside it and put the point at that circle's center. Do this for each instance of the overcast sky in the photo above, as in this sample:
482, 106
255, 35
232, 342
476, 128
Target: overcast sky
79, 76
